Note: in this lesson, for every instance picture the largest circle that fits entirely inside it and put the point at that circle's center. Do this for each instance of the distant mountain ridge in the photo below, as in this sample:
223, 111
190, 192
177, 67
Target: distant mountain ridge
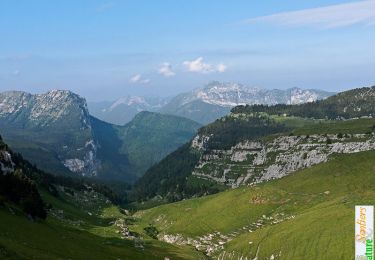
55, 131
203, 105
233, 94
123, 110
216, 99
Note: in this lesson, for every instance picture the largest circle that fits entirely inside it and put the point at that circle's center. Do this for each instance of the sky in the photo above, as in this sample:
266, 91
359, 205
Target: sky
103, 50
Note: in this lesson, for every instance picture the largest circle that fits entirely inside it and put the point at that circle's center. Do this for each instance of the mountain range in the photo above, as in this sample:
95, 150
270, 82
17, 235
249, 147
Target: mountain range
215, 100
56, 132
203, 105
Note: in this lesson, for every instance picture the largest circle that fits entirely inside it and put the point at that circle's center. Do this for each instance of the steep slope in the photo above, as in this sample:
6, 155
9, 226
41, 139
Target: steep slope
124, 109
48, 217
56, 132
16, 184
248, 147
149, 137
207, 104
297, 217
144, 141
172, 177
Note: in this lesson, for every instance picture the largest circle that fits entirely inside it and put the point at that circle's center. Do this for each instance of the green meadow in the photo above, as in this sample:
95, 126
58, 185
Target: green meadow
306, 215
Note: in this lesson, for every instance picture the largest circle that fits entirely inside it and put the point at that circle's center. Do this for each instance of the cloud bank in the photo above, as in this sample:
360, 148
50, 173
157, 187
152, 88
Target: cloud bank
199, 66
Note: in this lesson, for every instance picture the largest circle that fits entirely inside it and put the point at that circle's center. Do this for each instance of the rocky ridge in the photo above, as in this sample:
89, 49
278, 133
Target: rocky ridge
42, 109
251, 162
234, 94
48, 114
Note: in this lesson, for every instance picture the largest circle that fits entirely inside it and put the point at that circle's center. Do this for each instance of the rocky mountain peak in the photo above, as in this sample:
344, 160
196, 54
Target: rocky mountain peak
43, 109
49, 115
56, 104
129, 101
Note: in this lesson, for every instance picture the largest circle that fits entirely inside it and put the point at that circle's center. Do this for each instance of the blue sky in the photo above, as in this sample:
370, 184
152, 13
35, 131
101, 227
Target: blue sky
107, 49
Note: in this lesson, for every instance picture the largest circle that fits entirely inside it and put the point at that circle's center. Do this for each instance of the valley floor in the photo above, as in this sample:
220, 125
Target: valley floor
80, 226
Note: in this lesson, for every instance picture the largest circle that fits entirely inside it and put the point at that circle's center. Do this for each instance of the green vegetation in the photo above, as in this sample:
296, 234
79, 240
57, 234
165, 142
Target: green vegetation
49, 217
149, 137
21, 190
233, 129
313, 210
70, 232
196, 110
152, 232
167, 177
171, 179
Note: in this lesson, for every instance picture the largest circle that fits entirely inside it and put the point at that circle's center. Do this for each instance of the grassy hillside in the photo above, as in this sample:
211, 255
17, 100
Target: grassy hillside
297, 217
77, 229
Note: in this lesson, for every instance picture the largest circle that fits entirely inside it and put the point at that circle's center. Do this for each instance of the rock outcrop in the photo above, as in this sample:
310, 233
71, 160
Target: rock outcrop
251, 162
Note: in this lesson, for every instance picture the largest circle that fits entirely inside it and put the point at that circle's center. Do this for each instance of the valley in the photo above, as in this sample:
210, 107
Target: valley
56, 132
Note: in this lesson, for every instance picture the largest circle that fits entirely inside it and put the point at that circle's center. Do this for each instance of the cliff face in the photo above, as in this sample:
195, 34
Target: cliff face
251, 162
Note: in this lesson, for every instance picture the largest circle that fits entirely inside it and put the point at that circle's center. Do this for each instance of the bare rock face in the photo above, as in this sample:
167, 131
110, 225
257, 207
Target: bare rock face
6, 162
251, 162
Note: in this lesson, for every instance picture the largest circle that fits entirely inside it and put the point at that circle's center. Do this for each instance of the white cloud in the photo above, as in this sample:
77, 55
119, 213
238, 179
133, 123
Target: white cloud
137, 78
221, 67
361, 12
166, 70
199, 66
